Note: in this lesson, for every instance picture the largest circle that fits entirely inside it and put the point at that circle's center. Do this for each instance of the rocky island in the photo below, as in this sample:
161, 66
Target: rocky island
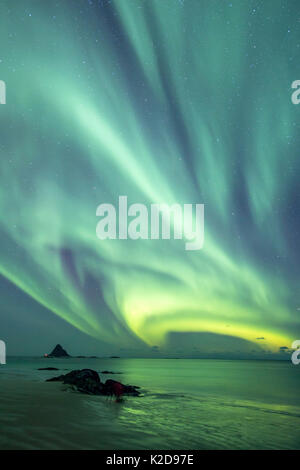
58, 351
88, 381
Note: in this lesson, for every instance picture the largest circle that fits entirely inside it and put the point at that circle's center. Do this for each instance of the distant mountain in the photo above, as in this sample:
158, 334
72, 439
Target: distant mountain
58, 351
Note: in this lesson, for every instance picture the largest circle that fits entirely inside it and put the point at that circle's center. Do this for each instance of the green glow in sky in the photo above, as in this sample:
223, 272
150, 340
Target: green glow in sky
162, 101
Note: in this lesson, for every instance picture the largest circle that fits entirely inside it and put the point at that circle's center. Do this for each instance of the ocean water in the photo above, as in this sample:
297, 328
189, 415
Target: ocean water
186, 404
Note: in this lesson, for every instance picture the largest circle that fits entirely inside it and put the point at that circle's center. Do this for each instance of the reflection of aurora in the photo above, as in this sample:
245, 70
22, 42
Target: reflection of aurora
169, 101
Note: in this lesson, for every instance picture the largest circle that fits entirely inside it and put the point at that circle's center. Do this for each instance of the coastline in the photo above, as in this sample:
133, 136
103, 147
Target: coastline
187, 404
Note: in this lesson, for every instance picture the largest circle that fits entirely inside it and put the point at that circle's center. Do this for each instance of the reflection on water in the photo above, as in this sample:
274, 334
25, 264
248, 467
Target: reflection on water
186, 404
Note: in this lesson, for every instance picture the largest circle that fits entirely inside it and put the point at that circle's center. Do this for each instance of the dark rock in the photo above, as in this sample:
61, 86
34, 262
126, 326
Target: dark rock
88, 381
58, 351
115, 357
87, 357
85, 380
109, 372
127, 389
48, 368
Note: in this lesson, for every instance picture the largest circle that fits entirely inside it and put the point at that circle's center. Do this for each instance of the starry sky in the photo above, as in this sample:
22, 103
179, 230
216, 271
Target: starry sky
185, 101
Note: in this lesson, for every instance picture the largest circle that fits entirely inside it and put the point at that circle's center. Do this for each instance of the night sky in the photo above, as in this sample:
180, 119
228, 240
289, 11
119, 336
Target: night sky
184, 101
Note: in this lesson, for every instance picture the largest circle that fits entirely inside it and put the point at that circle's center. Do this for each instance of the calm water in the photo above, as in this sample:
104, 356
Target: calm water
186, 404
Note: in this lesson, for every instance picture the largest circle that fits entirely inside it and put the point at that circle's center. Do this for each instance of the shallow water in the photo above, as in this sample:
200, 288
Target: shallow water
186, 404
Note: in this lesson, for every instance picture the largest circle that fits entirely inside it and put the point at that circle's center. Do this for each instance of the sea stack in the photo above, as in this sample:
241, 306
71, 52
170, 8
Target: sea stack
58, 351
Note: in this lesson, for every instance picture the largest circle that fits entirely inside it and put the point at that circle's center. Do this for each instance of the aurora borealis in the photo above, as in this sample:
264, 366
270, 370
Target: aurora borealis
163, 101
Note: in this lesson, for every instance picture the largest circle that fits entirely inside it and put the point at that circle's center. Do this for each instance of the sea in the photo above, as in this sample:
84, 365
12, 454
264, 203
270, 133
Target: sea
187, 404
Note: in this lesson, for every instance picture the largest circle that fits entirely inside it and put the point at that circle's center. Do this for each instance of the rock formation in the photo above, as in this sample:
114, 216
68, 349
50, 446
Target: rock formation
58, 351
88, 381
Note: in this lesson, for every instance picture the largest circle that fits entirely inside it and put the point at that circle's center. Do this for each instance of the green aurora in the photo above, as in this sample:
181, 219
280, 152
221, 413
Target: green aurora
162, 101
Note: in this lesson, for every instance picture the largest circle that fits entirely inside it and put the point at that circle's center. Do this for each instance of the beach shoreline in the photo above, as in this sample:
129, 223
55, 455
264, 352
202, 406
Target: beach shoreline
186, 404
